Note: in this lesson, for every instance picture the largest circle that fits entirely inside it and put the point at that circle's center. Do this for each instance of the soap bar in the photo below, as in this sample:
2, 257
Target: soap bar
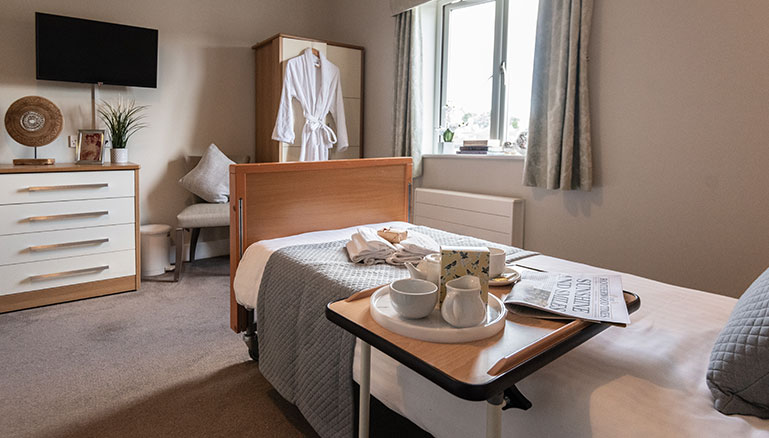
393, 235
458, 261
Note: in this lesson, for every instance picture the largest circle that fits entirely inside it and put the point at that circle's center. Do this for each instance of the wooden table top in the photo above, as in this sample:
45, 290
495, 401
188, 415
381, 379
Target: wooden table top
464, 369
65, 167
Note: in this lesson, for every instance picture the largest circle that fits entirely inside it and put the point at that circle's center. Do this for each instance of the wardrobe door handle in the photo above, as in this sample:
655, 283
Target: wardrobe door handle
59, 217
65, 245
93, 270
67, 187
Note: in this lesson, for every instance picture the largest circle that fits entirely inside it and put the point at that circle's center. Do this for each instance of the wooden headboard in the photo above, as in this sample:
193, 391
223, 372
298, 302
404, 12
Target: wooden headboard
270, 200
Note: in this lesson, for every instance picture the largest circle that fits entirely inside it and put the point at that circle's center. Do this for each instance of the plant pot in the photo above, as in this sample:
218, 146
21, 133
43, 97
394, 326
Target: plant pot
118, 155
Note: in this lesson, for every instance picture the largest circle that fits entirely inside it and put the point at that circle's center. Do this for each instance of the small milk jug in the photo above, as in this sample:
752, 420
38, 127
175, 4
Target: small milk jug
463, 306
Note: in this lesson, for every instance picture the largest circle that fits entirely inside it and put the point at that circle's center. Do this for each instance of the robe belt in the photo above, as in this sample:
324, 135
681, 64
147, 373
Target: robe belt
314, 123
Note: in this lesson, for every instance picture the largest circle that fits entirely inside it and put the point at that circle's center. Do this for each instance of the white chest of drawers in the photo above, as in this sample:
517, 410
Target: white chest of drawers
67, 232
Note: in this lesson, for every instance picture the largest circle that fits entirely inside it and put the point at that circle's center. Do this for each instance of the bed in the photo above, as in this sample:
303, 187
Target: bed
644, 380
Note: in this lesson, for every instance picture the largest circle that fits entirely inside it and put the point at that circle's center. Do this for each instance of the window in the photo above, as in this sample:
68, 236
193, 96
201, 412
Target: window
485, 61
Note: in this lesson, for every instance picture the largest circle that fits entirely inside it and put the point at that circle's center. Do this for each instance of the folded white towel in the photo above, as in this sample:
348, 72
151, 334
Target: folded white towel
396, 259
368, 247
418, 243
413, 249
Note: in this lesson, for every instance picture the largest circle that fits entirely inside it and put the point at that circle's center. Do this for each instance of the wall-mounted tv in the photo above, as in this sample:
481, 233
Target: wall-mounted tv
77, 50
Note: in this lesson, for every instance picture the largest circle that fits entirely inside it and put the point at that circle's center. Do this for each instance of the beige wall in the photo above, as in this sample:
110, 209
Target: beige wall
680, 101
205, 81
368, 23
680, 104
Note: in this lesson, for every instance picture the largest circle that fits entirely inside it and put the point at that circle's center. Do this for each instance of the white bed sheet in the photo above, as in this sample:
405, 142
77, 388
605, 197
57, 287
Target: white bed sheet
644, 380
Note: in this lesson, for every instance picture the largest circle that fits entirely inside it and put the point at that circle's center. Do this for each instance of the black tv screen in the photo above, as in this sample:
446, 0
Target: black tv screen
77, 50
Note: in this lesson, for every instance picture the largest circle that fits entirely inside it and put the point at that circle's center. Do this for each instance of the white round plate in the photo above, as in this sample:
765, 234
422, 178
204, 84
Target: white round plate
433, 328
508, 277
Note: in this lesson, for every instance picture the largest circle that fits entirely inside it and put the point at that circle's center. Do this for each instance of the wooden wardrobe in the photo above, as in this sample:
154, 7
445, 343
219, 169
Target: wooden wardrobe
271, 57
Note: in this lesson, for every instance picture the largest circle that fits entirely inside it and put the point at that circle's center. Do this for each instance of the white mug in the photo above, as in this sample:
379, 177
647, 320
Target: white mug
412, 298
496, 262
463, 306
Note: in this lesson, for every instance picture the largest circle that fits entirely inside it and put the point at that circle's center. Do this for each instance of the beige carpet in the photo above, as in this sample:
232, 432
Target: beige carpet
161, 362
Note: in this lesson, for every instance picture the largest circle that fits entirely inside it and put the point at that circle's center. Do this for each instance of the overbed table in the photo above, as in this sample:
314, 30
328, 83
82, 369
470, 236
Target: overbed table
482, 370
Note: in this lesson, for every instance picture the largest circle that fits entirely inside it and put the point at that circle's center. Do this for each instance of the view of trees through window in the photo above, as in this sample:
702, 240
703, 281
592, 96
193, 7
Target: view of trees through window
469, 66
521, 33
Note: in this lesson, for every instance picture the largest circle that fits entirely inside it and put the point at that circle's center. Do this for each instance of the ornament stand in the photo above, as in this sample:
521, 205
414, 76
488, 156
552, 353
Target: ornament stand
33, 121
33, 161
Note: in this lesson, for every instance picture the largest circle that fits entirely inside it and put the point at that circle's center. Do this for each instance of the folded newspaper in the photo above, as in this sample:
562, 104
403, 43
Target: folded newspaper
550, 295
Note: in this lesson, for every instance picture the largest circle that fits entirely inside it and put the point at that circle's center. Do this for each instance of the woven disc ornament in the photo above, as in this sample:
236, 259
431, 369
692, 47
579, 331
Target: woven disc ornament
33, 121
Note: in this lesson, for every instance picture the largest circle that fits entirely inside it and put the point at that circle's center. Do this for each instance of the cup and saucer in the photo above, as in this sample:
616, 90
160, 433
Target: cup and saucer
507, 277
499, 273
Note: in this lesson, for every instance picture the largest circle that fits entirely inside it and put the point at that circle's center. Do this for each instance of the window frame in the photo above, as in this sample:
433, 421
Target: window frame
497, 125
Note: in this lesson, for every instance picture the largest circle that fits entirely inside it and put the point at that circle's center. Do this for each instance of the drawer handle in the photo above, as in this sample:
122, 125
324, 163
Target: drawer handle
94, 242
59, 217
67, 187
93, 270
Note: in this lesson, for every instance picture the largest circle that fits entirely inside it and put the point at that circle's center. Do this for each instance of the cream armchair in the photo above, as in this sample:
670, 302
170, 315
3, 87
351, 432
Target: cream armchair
199, 214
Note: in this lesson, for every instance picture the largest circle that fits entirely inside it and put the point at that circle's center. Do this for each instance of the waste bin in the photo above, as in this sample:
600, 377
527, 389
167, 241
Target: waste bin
155, 249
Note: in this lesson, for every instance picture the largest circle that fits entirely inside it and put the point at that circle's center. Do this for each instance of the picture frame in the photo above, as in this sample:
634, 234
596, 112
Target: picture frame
90, 146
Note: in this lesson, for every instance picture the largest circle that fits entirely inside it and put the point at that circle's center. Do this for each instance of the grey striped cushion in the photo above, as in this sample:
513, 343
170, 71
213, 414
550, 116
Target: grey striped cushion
210, 179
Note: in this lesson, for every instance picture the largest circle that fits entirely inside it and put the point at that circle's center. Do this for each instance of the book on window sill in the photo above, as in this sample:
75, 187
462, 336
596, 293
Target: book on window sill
472, 152
484, 142
596, 298
473, 148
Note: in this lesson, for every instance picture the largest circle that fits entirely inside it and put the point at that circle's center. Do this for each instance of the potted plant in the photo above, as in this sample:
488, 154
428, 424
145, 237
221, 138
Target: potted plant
450, 127
123, 119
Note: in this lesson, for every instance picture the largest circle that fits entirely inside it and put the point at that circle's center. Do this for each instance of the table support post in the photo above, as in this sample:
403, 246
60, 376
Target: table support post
365, 389
494, 416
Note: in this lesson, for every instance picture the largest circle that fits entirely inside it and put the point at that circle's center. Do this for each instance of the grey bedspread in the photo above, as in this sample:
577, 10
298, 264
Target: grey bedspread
304, 356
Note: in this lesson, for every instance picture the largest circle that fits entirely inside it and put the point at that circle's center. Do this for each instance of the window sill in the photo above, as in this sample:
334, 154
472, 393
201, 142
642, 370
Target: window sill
475, 157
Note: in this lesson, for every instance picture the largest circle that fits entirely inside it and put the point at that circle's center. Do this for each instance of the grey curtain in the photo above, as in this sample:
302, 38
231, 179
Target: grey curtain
559, 152
398, 6
408, 97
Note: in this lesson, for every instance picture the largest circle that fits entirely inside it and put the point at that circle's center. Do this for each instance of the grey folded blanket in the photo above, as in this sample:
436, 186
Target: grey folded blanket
305, 357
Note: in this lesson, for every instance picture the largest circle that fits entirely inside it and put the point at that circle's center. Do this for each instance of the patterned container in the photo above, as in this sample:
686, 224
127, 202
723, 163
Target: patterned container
457, 261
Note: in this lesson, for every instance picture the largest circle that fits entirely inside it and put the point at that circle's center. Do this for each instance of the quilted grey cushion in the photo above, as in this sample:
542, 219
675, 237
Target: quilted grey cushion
738, 374
210, 179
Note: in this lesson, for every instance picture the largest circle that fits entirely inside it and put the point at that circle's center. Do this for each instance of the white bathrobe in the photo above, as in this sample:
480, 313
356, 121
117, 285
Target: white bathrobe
315, 83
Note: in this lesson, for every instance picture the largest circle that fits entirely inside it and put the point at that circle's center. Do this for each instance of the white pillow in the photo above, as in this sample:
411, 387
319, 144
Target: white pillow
210, 179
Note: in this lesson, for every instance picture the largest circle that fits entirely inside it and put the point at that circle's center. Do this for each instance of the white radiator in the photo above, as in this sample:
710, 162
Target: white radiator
494, 218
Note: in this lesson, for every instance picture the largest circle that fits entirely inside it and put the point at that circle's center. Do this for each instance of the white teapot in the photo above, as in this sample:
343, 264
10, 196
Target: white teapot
428, 269
463, 306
